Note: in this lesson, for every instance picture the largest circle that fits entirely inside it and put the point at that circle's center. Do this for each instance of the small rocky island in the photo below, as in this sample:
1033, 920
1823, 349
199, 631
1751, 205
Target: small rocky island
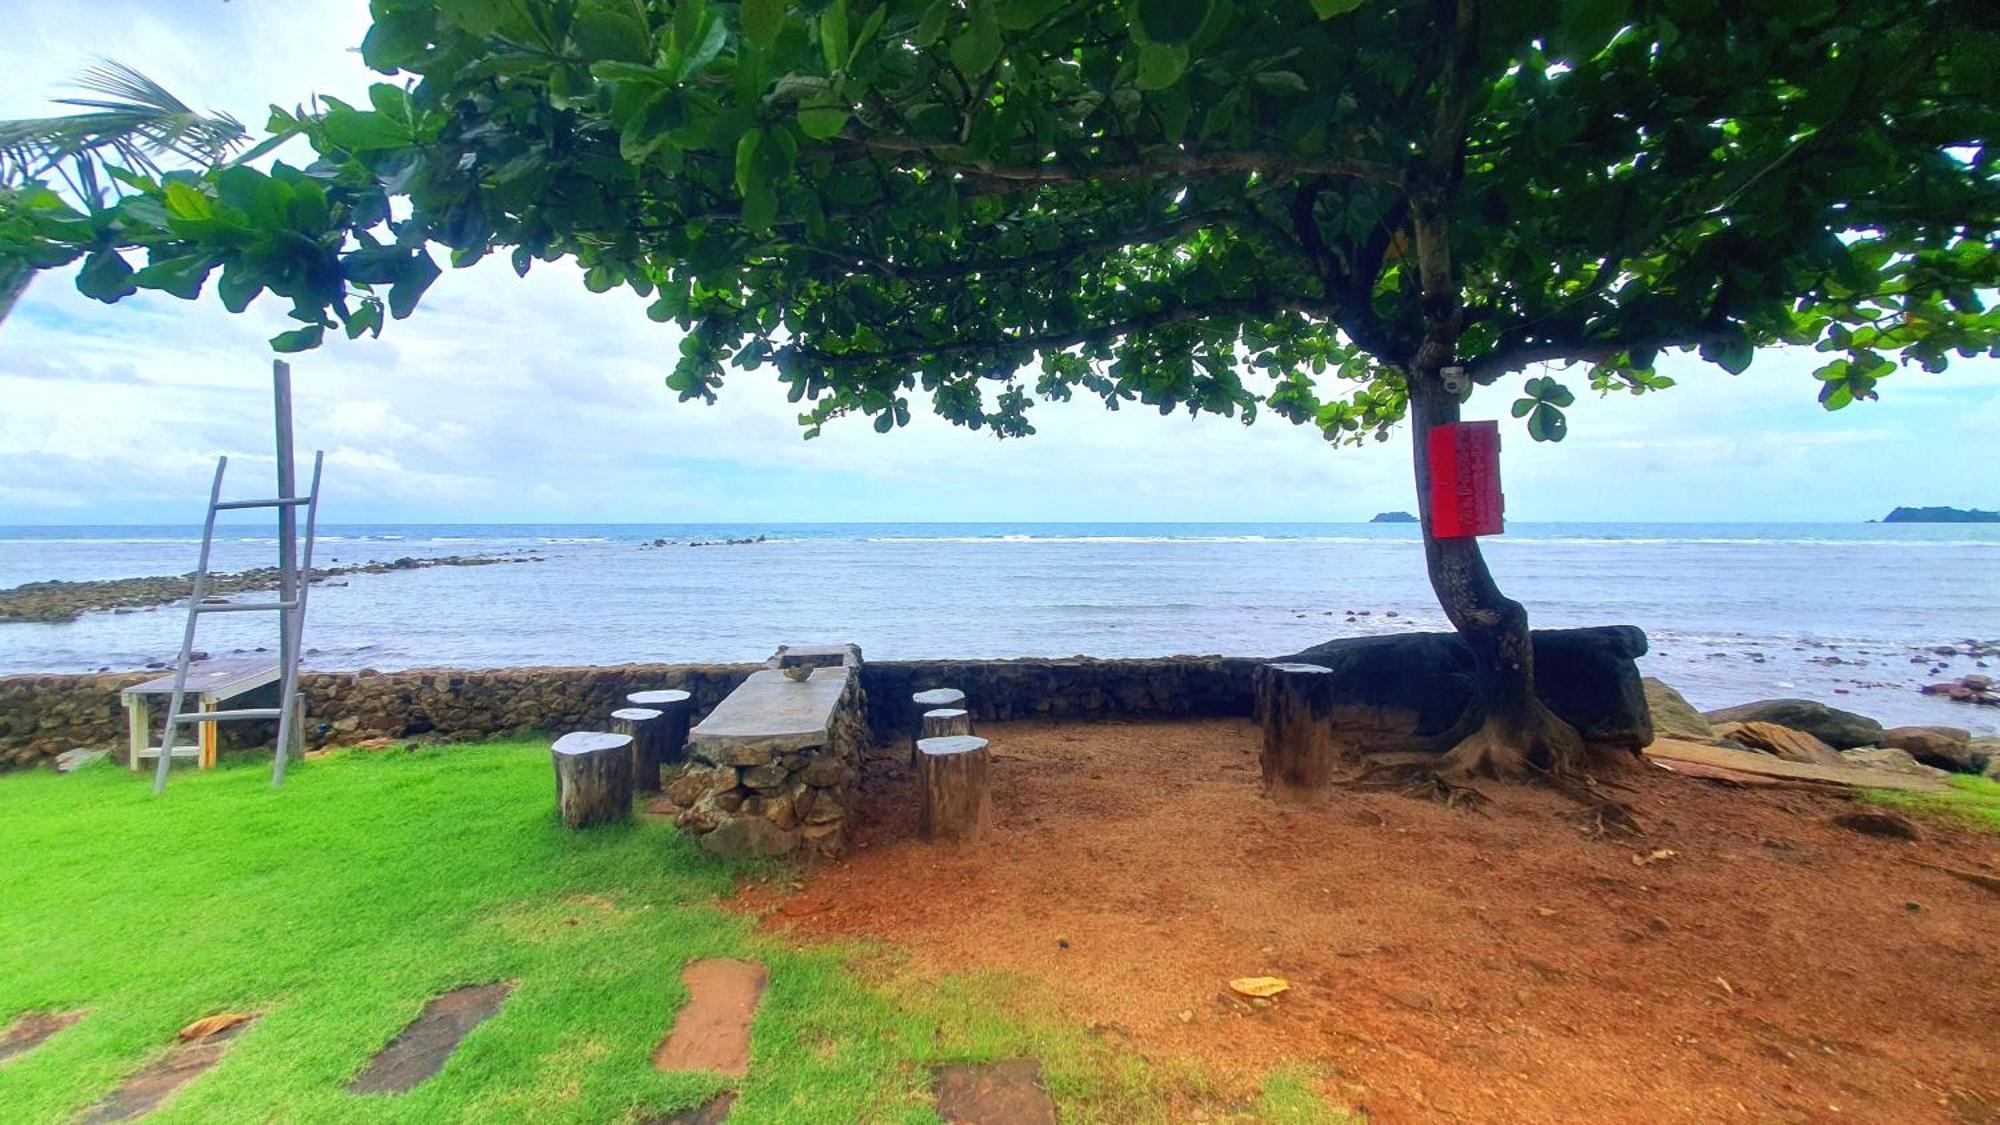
1941, 515
1393, 517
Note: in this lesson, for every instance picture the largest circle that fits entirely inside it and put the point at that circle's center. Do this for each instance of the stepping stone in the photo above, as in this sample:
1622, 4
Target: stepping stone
712, 1031
713, 1112
147, 1090
31, 1029
1000, 1093
421, 1048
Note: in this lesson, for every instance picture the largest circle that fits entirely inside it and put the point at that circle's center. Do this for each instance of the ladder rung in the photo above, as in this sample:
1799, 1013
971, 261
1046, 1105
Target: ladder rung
274, 502
190, 751
226, 716
243, 607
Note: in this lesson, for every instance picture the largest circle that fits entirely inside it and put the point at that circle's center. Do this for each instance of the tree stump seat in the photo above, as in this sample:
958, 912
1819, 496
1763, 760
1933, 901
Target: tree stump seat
646, 727
593, 777
957, 798
676, 708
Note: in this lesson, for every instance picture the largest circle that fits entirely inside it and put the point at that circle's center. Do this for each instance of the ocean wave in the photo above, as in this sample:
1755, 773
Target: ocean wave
574, 539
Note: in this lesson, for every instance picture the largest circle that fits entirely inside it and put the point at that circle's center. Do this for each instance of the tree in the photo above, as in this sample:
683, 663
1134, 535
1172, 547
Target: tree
130, 124
1343, 212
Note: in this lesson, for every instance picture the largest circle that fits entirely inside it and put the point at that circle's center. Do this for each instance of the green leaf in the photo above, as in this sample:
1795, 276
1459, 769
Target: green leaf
604, 31
1327, 9
1022, 15
1161, 65
746, 160
978, 47
1547, 424
931, 24
833, 36
105, 277
184, 202
1280, 81
477, 17
1732, 356
366, 317
1168, 21
1522, 406
822, 121
182, 276
760, 207
763, 20
299, 339
705, 52
409, 289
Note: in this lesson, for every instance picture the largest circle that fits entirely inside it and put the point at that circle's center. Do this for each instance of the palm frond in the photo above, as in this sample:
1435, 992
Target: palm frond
130, 122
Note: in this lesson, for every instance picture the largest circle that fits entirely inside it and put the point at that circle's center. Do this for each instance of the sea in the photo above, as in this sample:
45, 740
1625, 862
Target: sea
1856, 615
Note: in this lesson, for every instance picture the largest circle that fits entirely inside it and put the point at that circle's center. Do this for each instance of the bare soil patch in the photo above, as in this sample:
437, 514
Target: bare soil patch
31, 1030
1000, 1093
712, 1031
422, 1048
149, 1089
714, 1111
1750, 960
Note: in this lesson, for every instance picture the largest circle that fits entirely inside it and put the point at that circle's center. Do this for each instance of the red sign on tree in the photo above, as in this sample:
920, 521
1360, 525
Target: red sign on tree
1465, 480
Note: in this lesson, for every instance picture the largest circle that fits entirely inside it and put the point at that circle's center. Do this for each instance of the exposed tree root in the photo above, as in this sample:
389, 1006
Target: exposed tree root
1538, 747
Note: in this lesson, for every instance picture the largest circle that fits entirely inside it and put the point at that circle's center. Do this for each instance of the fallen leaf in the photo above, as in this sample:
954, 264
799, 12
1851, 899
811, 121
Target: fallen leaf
203, 1028
1659, 855
1259, 986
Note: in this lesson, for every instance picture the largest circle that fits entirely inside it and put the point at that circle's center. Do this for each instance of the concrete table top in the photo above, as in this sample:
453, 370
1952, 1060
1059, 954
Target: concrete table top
773, 712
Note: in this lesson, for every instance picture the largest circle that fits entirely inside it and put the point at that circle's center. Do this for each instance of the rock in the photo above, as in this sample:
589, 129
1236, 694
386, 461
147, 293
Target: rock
1875, 822
1784, 742
1413, 692
748, 837
769, 776
823, 771
69, 761
1842, 730
1947, 748
1674, 716
1893, 761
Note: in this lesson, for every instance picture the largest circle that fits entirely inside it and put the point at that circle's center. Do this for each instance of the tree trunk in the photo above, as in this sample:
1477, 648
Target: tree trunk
1299, 750
593, 778
957, 803
1520, 735
646, 727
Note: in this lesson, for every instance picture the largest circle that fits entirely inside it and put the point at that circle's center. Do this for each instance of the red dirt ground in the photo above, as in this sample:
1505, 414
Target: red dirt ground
1446, 965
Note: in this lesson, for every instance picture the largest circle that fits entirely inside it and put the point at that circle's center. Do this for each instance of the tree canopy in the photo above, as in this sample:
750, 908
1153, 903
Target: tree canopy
1215, 205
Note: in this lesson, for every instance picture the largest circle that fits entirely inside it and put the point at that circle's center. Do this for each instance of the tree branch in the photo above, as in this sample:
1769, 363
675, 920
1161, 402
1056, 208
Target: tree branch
1509, 360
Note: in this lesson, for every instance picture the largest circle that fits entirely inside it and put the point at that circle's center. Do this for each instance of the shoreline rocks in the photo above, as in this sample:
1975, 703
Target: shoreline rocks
1841, 730
60, 602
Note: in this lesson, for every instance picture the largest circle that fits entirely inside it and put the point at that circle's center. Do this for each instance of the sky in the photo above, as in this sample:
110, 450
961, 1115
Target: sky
534, 400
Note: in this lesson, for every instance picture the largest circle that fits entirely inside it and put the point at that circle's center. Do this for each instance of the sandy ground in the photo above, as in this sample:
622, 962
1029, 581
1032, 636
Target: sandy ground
1446, 965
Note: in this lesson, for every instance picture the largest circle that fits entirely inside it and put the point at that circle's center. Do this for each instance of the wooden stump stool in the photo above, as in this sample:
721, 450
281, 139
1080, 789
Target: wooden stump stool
1294, 705
646, 726
676, 708
922, 703
940, 723
593, 777
958, 805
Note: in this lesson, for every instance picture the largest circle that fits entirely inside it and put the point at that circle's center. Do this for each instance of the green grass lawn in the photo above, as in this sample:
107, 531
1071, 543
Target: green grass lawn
337, 906
1973, 802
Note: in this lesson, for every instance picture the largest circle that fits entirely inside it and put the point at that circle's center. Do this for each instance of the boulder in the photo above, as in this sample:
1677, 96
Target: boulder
1784, 742
1842, 730
749, 837
1674, 716
1891, 761
1415, 692
1947, 748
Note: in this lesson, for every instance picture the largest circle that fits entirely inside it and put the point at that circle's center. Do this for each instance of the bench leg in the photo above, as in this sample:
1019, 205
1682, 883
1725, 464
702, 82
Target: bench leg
137, 723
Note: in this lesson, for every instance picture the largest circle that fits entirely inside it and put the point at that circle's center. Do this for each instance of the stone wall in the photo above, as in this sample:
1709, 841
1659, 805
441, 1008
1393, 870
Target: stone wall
43, 715
1077, 687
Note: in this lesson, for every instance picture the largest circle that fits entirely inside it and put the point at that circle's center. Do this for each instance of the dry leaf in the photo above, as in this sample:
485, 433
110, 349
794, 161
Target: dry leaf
1658, 856
1259, 986
202, 1029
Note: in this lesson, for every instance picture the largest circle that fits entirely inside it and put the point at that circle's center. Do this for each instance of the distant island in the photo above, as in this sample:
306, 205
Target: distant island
1405, 517
1935, 515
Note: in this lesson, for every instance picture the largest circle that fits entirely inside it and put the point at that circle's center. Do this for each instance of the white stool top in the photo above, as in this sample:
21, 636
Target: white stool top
945, 713
657, 698
636, 714
951, 744
590, 742
939, 697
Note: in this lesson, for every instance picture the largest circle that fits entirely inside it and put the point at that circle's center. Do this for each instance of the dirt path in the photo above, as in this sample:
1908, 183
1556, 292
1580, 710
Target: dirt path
1446, 965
